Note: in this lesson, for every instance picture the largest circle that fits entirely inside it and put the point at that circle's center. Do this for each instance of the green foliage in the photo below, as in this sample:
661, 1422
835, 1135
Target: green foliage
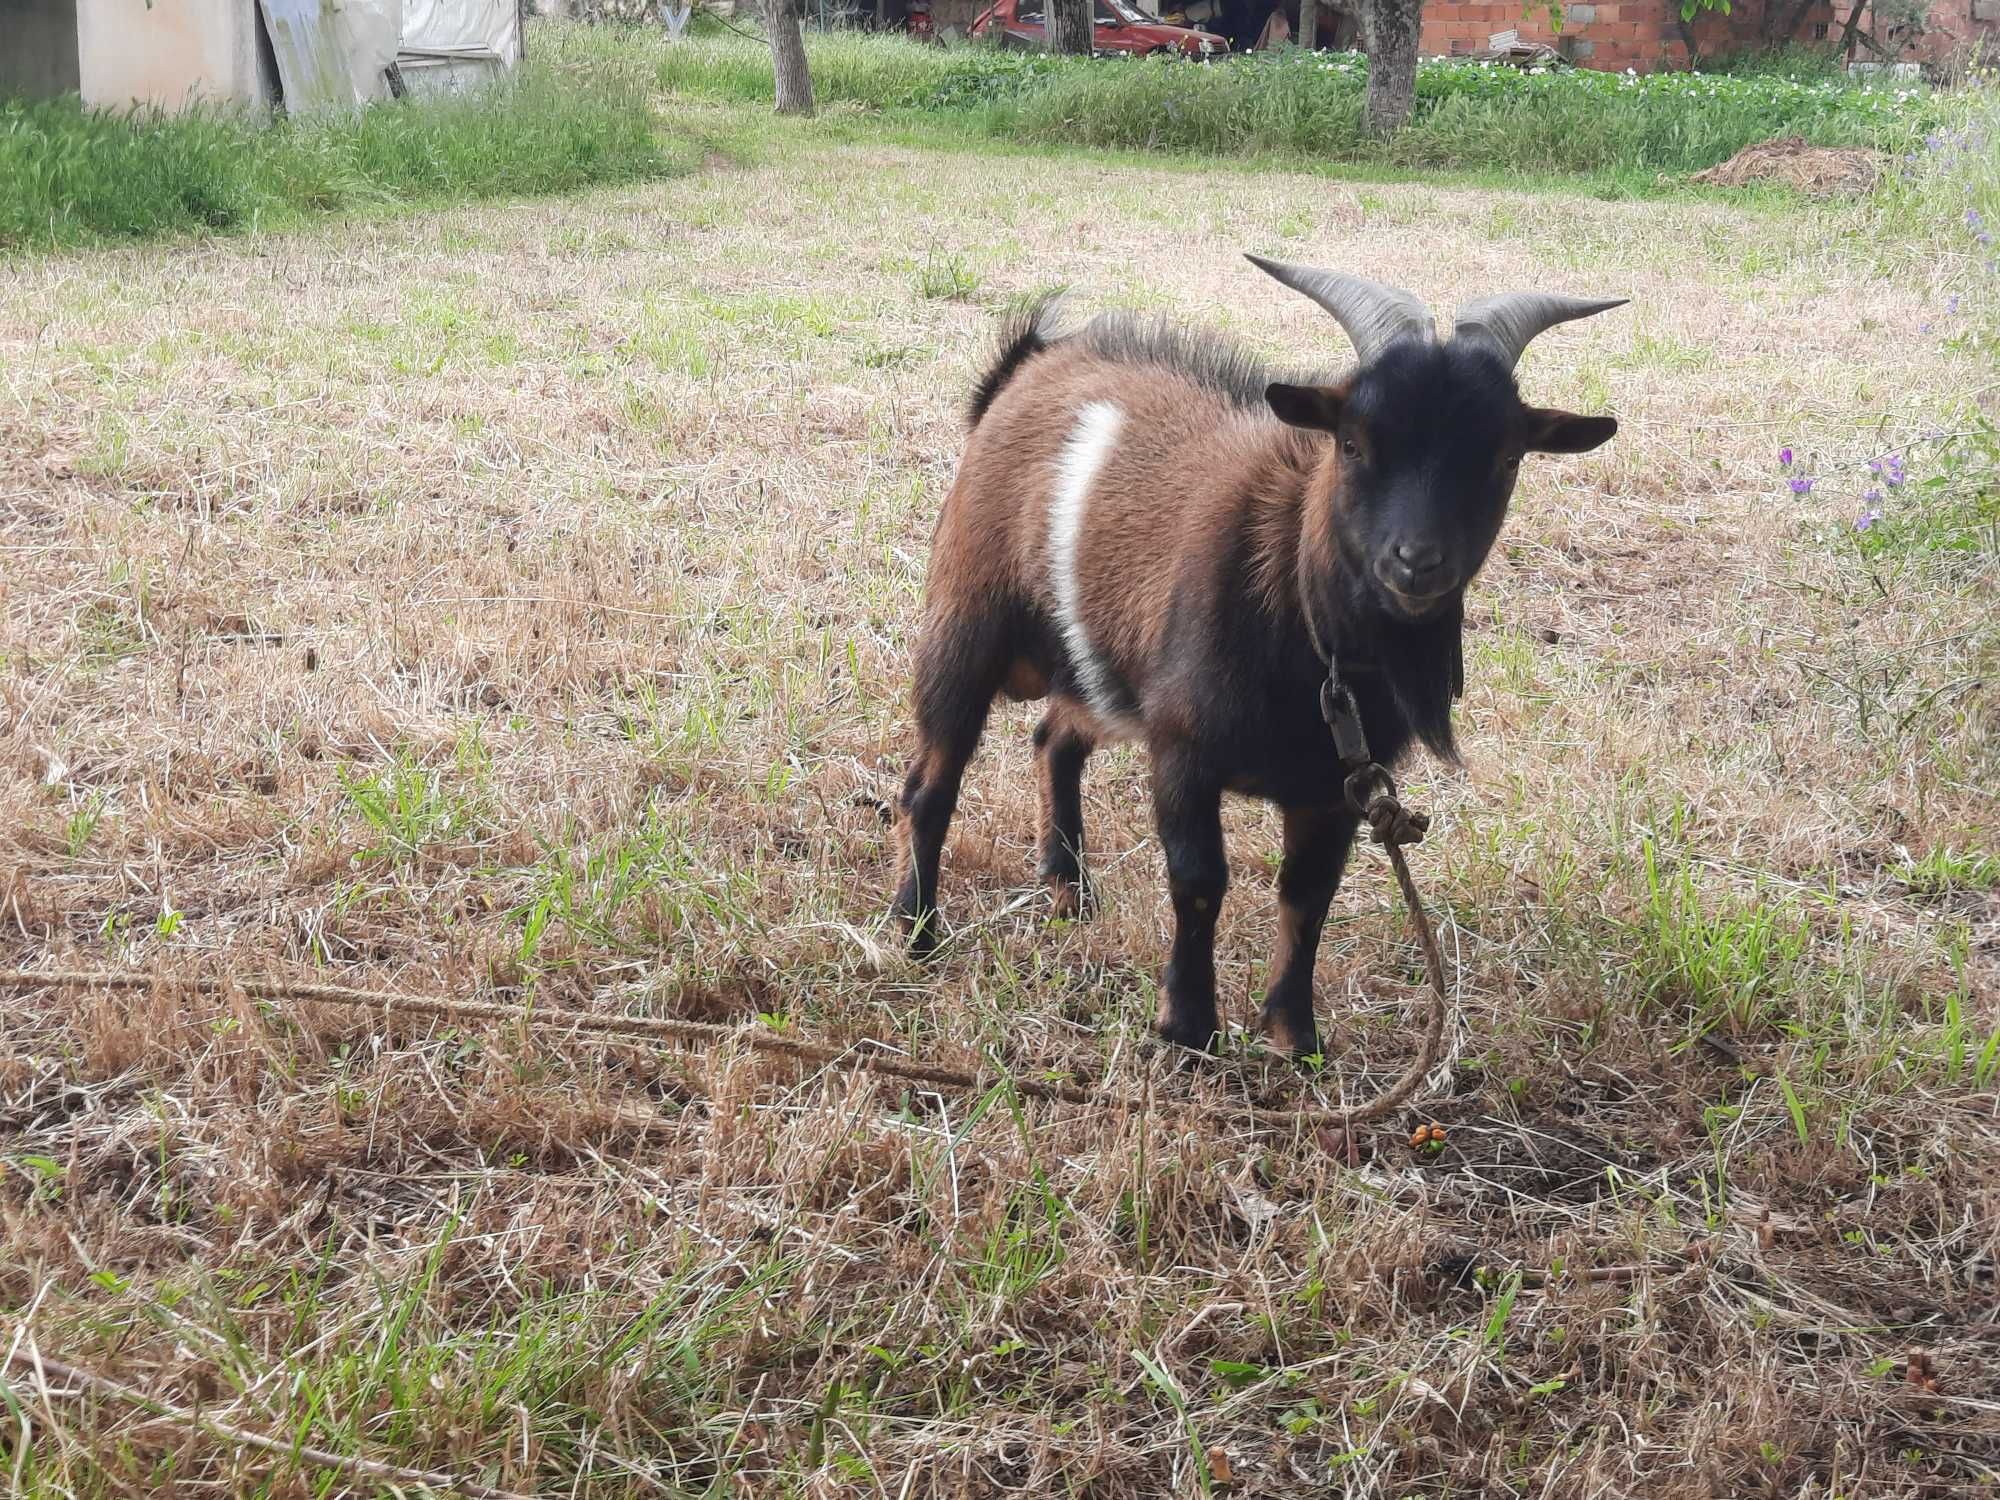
946, 278
1466, 114
1952, 506
69, 175
1932, 499
847, 67
1947, 869
1793, 60
1731, 964
409, 808
1293, 103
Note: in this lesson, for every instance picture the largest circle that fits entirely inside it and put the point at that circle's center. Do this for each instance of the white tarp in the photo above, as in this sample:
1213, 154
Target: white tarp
462, 28
331, 53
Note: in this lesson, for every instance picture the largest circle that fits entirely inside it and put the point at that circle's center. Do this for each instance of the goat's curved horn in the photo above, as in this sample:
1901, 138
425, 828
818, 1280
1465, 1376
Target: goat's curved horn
1512, 319
1374, 316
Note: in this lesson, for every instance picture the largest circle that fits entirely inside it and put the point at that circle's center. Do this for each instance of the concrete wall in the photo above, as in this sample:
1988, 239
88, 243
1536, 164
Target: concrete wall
38, 56
172, 54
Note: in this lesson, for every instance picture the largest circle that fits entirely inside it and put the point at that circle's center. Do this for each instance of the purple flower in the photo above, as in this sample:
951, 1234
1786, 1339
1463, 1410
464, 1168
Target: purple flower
1875, 466
1868, 519
1952, 305
1923, 327
1802, 486
1784, 458
1986, 239
1972, 219
1872, 496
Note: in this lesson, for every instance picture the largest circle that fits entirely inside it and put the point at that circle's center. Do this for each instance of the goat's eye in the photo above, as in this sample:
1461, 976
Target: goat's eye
1349, 448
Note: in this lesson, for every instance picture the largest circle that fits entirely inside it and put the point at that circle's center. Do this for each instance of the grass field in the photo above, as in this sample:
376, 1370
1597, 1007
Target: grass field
512, 601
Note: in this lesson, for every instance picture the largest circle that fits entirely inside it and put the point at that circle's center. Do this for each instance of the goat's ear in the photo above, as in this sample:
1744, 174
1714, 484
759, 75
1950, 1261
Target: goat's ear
1551, 431
1316, 406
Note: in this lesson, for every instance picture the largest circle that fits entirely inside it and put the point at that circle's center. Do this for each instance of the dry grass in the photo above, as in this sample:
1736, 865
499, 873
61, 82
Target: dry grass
514, 601
1818, 171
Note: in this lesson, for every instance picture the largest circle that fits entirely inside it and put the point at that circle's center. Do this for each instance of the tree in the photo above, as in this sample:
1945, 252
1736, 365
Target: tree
1309, 25
1389, 30
1069, 26
788, 56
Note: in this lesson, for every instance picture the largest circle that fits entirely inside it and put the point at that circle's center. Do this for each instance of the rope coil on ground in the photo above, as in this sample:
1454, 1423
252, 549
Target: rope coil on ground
1391, 825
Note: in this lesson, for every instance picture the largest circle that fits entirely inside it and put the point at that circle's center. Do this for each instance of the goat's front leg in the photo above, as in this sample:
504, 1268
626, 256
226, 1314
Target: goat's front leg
1317, 842
1187, 808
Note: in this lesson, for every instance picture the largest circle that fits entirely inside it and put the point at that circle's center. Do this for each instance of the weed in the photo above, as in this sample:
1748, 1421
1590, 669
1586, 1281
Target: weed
1948, 868
410, 808
82, 824
946, 277
1731, 966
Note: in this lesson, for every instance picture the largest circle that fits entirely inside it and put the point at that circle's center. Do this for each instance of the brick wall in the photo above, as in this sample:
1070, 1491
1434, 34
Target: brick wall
1646, 34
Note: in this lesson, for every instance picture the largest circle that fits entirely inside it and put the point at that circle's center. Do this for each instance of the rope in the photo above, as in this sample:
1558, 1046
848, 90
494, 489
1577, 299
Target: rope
1392, 828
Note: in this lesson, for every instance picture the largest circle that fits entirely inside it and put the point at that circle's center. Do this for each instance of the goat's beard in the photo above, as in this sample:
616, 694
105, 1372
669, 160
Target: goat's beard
1422, 661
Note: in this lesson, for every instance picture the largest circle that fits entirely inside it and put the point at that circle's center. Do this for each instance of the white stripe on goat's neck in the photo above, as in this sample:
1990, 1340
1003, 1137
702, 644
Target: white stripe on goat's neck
1079, 463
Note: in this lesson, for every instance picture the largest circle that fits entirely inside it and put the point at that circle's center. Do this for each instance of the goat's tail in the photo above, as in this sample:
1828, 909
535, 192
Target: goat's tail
1022, 337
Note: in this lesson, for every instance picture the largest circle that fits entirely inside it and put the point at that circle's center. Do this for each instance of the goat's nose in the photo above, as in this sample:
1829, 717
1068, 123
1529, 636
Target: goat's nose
1419, 556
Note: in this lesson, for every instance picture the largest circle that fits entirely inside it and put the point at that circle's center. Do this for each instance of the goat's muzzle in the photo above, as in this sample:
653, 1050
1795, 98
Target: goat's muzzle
1415, 578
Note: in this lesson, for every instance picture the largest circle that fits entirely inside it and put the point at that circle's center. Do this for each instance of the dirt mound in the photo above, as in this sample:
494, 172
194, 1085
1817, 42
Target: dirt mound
1822, 171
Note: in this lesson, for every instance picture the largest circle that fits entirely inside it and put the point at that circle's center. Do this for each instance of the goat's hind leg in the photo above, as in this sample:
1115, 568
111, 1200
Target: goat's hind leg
1062, 745
1187, 809
959, 667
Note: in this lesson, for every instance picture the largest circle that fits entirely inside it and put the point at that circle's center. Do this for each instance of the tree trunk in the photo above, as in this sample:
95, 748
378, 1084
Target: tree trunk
1687, 39
1788, 21
1309, 24
1069, 26
1851, 30
788, 57
1390, 28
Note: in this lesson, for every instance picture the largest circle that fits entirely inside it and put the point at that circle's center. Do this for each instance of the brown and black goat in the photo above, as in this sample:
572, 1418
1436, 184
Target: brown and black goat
1150, 531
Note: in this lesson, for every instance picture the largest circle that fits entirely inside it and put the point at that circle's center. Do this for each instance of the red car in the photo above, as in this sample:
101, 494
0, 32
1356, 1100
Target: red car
1116, 26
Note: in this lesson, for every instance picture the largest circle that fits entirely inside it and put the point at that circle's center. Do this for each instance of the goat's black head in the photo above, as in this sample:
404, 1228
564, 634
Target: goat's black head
1429, 435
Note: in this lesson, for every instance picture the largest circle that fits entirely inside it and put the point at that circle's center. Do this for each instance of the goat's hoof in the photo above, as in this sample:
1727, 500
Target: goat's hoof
1290, 1034
924, 933
1069, 900
1197, 1033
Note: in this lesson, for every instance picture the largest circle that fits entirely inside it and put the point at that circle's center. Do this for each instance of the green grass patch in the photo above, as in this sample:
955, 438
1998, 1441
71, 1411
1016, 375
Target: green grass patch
70, 175
1295, 104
